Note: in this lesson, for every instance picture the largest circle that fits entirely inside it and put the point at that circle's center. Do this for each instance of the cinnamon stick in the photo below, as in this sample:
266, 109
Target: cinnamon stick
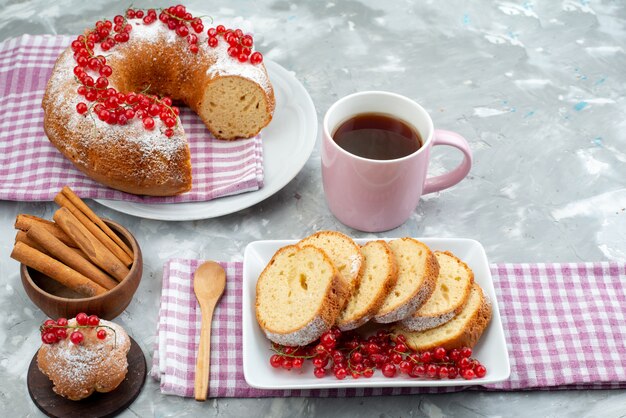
22, 236
24, 222
64, 202
82, 206
95, 250
63, 253
55, 270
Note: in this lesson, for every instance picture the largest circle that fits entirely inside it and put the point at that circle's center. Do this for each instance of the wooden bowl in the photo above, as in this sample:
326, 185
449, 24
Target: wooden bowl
56, 301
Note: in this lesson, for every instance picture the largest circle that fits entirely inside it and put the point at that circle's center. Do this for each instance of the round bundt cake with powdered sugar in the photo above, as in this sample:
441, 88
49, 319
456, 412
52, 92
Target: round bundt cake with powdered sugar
108, 106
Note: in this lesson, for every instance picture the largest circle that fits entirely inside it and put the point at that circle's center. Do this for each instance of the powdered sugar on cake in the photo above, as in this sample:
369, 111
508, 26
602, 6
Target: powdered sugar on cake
227, 65
78, 369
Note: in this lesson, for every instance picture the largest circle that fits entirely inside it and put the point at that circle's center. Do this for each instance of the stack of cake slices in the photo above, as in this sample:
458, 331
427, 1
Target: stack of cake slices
328, 280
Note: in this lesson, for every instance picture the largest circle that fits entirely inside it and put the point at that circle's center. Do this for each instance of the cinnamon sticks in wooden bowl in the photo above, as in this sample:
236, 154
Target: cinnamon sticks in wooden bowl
79, 262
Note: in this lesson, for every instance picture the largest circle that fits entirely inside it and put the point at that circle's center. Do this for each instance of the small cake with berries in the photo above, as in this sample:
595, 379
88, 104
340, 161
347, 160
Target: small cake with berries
108, 105
83, 355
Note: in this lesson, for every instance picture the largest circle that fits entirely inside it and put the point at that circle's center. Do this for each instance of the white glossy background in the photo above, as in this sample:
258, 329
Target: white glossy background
537, 87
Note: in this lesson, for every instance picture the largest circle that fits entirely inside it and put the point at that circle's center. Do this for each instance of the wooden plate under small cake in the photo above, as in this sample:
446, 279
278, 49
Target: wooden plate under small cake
97, 405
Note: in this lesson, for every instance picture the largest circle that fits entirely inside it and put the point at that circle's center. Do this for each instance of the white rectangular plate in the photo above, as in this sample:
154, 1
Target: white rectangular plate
490, 350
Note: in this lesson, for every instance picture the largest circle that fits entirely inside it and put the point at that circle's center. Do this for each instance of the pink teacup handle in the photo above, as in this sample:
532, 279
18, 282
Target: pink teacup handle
442, 137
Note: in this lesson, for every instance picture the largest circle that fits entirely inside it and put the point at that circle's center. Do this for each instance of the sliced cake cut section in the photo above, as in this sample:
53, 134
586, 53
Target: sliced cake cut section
417, 274
452, 289
378, 278
343, 252
463, 330
299, 295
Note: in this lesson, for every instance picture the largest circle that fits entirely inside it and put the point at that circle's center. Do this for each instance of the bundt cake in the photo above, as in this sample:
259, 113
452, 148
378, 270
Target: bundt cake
108, 103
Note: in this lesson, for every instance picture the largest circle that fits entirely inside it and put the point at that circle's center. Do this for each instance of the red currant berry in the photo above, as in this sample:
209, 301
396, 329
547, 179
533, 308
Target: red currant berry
319, 372
297, 363
466, 352
401, 348
276, 361
464, 363
247, 41
453, 372
356, 357
480, 371
193, 48
154, 109
372, 348
76, 337
182, 31
418, 371
320, 362
106, 71
256, 58
220, 29
328, 340
49, 337
389, 370
139, 14
405, 367
454, 354
242, 57
287, 364
91, 95
62, 322
148, 123
426, 357
93, 320
49, 323
443, 372
432, 370
440, 353
212, 41
61, 333
101, 334
468, 374
82, 319
341, 373
104, 116
101, 83
81, 108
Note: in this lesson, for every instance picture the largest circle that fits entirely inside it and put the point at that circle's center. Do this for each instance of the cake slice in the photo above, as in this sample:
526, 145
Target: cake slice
343, 252
451, 292
299, 295
378, 278
417, 274
463, 330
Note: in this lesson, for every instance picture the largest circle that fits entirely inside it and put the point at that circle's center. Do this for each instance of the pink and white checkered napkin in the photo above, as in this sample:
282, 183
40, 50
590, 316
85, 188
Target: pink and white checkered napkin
565, 326
32, 169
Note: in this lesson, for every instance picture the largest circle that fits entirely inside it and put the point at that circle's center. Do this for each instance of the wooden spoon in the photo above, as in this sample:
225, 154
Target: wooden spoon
208, 284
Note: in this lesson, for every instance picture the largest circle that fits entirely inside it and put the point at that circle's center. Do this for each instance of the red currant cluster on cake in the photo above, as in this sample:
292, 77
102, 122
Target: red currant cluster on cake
54, 331
240, 44
348, 354
116, 108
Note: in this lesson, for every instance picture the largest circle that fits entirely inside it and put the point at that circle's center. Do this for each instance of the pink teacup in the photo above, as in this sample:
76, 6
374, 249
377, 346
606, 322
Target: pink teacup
378, 195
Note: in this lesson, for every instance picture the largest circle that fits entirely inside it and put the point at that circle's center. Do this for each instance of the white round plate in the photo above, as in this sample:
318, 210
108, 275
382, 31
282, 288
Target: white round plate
287, 145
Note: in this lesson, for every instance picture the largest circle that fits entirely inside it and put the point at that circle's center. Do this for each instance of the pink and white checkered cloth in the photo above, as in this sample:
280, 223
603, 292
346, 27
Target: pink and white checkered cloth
565, 326
32, 169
